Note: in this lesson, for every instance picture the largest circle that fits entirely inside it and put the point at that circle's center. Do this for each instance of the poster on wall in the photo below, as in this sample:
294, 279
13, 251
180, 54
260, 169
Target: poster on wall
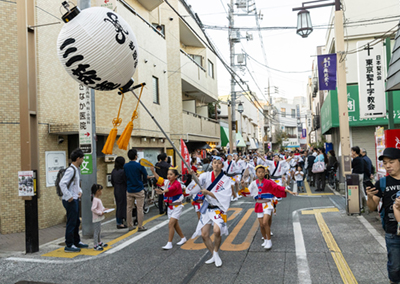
55, 161
380, 145
25, 183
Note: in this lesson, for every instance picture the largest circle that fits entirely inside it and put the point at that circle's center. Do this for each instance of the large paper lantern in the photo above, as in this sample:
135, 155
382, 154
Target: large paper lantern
97, 48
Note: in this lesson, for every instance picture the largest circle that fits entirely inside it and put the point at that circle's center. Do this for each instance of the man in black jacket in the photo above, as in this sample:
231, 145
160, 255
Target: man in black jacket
310, 160
162, 170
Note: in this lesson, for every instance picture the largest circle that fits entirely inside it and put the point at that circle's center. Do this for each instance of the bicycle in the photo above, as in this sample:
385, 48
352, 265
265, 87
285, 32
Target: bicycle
332, 178
150, 197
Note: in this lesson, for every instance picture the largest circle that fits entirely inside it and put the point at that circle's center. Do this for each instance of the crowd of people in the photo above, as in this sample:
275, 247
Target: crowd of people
219, 179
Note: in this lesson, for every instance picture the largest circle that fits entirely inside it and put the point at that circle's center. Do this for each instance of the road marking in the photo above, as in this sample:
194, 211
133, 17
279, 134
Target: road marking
373, 232
108, 252
341, 264
191, 245
309, 192
227, 244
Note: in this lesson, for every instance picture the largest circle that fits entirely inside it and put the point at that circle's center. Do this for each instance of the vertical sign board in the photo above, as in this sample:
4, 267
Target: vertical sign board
26, 183
85, 129
327, 67
371, 81
85, 120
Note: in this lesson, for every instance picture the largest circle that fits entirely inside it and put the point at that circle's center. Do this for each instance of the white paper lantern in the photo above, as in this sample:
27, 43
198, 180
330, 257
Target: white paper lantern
98, 48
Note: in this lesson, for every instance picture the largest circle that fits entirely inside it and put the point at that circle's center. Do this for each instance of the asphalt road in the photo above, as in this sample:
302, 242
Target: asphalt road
309, 246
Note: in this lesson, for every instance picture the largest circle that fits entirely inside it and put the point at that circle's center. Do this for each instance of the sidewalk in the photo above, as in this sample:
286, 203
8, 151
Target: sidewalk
12, 244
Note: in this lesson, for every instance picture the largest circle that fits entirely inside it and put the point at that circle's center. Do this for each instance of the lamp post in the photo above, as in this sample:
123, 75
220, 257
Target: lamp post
304, 29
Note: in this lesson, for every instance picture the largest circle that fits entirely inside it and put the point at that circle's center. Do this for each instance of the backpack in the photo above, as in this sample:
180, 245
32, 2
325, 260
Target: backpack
382, 185
60, 175
373, 170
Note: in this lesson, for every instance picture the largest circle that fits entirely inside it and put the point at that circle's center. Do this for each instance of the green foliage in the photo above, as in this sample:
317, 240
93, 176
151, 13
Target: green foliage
281, 136
211, 108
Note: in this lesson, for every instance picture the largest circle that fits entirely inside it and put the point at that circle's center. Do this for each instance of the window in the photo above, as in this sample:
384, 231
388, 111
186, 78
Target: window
283, 112
161, 28
197, 58
156, 95
291, 130
293, 113
211, 69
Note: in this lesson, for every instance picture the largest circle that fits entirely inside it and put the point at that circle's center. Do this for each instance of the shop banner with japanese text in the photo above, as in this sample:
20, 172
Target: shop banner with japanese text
327, 72
371, 81
186, 156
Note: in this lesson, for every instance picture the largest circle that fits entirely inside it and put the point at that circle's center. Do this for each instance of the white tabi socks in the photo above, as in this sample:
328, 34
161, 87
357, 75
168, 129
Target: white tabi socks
218, 261
211, 260
168, 246
182, 241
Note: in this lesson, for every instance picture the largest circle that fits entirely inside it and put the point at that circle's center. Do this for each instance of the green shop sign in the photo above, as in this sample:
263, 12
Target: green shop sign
330, 110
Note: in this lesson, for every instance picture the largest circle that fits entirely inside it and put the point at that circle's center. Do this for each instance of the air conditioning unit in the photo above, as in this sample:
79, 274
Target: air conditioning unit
110, 158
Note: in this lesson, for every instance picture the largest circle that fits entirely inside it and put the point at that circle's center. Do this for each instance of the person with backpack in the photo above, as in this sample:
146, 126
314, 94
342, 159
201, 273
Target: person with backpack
71, 192
369, 168
386, 190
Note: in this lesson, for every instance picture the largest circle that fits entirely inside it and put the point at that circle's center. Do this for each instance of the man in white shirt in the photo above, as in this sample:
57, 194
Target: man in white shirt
71, 189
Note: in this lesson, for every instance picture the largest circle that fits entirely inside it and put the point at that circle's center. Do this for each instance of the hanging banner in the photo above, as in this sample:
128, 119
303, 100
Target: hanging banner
327, 72
371, 81
186, 156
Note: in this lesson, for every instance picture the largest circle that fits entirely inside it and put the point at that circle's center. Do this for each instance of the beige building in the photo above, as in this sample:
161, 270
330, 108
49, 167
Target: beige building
180, 73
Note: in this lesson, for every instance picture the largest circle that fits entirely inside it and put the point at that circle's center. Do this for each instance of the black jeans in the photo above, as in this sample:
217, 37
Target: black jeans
161, 208
72, 230
320, 180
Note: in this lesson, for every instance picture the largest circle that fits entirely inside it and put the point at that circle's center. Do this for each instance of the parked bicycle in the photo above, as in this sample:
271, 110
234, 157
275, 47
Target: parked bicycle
332, 178
150, 196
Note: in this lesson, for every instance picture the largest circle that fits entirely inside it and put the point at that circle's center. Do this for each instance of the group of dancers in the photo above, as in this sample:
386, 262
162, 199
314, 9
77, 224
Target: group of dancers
267, 181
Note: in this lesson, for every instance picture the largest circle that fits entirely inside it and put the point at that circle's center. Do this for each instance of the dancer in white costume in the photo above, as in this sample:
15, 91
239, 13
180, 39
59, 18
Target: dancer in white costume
276, 168
229, 168
215, 186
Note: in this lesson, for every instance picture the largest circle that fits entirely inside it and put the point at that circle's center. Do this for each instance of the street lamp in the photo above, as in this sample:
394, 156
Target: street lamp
304, 26
240, 108
303, 18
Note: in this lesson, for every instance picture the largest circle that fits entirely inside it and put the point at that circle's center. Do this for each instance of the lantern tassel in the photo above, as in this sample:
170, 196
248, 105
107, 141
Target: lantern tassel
108, 147
125, 137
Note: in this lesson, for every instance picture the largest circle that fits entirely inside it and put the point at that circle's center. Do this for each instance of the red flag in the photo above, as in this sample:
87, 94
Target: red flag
186, 156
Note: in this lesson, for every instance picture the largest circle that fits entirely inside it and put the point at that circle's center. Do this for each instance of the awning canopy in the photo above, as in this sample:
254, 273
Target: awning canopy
197, 145
240, 140
292, 146
393, 77
224, 136
252, 144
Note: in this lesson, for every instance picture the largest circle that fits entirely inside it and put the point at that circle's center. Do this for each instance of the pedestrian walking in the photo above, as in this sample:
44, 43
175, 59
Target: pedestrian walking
97, 216
359, 167
368, 165
310, 162
70, 187
135, 174
172, 190
385, 190
118, 181
321, 177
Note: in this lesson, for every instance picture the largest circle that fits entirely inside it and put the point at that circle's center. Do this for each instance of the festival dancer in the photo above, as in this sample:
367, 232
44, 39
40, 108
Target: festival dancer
264, 191
173, 197
198, 198
276, 168
230, 170
215, 187
240, 167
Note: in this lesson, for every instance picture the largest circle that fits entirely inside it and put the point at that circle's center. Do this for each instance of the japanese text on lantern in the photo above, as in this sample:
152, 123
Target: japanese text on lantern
85, 120
327, 64
370, 83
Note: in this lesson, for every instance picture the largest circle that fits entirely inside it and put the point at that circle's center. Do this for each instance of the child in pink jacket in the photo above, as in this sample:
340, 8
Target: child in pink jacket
98, 215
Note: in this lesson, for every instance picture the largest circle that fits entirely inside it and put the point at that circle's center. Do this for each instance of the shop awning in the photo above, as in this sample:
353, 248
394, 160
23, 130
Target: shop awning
252, 144
257, 143
292, 146
240, 140
224, 136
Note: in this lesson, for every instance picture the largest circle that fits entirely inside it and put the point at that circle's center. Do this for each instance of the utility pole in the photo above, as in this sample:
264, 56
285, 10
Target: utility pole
232, 129
28, 114
89, 179
342, 90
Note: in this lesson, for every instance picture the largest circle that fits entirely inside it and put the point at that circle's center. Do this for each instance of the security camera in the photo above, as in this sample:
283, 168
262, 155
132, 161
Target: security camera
60, 139
171, 19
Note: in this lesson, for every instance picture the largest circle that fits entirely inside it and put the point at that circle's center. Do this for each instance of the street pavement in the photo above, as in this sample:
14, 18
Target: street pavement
314, 241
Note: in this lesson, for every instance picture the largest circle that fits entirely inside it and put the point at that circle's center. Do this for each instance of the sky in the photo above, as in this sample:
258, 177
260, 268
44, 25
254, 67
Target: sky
285, 50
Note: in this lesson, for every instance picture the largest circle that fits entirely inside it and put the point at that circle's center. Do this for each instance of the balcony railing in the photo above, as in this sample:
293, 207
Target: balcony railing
200, 116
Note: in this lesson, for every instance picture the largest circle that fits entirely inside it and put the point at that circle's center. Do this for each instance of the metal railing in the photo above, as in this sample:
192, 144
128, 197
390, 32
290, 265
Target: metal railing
200, 116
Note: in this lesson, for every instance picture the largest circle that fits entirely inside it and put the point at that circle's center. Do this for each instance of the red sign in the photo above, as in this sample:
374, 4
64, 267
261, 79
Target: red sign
186, 157
392, 138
